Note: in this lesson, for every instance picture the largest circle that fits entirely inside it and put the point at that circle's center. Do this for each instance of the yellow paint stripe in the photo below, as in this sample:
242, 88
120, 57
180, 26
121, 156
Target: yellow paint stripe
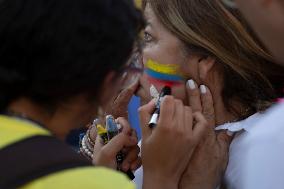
172, 69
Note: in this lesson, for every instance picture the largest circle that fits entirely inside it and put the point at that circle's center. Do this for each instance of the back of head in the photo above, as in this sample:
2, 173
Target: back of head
53, 49
208, 28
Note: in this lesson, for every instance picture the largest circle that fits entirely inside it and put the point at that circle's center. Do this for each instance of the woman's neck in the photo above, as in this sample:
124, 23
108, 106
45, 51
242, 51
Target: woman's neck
222, 115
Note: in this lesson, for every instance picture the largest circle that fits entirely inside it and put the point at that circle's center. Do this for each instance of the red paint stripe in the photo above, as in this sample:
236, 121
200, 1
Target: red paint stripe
162, 82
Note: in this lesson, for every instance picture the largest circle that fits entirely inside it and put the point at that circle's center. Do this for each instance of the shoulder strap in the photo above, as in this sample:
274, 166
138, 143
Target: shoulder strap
32, 158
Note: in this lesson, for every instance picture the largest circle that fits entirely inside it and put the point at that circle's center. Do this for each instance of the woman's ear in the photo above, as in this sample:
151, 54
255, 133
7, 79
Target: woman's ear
205, 67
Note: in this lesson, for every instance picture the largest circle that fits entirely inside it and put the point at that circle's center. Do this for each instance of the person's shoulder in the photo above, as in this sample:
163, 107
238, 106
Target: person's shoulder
85, 177
266, 132
263, 160
270, 123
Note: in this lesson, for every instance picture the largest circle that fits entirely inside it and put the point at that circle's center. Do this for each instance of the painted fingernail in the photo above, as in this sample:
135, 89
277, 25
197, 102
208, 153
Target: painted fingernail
203, 89
191, 84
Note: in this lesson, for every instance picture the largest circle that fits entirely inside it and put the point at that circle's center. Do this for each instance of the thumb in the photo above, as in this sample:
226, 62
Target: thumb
116, 144
119, 106
145, 113
126, 94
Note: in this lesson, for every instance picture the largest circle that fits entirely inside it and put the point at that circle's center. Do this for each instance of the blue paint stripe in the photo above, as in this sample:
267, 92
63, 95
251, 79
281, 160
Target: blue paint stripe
161, 76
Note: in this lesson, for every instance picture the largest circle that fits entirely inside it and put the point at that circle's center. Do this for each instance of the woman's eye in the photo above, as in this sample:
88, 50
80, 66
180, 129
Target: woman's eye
147, 37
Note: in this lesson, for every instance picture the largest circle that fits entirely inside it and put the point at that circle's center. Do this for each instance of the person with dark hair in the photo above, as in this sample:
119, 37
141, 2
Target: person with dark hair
60, 61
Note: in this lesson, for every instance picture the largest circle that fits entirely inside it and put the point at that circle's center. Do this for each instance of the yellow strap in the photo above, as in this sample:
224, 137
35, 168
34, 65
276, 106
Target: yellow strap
13, 130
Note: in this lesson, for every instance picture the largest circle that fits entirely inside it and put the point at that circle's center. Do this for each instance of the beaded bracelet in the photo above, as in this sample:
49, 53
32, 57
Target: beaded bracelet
89, 137
84, 149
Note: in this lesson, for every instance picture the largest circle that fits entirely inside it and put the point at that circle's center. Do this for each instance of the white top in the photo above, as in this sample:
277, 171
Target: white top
234, 175
264, 161
138, 180
256, 157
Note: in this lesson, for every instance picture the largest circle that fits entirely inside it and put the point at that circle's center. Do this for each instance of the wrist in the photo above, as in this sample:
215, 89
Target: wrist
157, 181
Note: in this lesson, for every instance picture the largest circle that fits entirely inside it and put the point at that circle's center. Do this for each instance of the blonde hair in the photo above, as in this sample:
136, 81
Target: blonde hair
208, 28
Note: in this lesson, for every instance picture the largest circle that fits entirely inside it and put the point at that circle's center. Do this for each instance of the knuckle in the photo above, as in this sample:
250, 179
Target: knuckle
204, 121
197, 114
197, 109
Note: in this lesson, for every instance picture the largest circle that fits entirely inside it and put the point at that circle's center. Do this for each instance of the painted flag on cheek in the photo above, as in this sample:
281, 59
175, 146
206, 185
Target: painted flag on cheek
163, 74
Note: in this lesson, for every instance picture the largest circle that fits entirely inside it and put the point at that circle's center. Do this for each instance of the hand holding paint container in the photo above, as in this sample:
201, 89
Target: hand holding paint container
111, 130
154, 119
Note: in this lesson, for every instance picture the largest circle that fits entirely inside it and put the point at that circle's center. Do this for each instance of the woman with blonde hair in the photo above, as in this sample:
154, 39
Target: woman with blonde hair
210, 45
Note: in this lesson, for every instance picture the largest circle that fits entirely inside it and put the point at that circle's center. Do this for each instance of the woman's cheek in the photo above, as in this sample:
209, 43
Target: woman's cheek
179, 92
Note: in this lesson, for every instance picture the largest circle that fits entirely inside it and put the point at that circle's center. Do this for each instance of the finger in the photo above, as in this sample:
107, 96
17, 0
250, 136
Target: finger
93, 133
193, 96
126, 94
131, 156
207, 105
188, 119
179, 114
134, 135
145, 113
98, 146
116, 144
167, 111
201, 126
126, 128
119, 106
136, 164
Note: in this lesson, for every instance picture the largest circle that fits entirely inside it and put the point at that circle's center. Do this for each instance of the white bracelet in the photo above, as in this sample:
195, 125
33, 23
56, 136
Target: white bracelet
84, 149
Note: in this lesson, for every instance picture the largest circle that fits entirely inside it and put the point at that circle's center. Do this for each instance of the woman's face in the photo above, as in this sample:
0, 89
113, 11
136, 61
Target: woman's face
163, 47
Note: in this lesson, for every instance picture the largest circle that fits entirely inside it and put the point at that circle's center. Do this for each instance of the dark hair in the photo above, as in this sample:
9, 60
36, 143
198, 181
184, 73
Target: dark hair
51, 50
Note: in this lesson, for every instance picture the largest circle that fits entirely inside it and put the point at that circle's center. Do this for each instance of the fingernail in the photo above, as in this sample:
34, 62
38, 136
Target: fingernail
230, 133
119, 126
191, 84
203, 89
